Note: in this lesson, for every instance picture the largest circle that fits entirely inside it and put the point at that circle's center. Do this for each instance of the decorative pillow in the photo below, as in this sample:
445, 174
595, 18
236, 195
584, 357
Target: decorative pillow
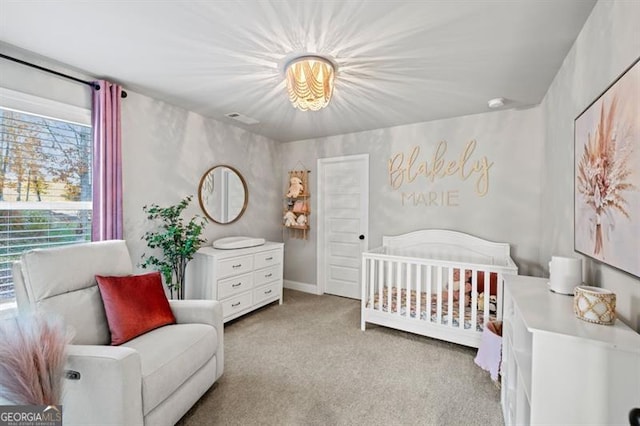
134, 304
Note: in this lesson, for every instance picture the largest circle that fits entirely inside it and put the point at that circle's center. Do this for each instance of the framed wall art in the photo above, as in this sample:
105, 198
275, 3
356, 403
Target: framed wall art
607, 175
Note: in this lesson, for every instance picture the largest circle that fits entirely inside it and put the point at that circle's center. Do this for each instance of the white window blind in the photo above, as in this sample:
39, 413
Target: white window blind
45, 186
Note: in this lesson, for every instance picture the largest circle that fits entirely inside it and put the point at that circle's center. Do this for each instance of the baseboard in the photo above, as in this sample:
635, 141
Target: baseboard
304, 287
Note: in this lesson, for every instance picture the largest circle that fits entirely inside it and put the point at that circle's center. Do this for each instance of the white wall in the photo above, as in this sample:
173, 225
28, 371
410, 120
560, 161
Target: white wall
509, 212
608, 43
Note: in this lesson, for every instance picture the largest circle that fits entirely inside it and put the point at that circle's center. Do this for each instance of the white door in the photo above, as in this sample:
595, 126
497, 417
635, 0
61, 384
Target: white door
343, 223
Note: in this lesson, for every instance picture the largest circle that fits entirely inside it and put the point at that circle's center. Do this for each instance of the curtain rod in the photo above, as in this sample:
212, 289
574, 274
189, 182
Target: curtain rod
123, 94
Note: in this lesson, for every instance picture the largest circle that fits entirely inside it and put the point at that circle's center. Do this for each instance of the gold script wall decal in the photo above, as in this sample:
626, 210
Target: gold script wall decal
404, 169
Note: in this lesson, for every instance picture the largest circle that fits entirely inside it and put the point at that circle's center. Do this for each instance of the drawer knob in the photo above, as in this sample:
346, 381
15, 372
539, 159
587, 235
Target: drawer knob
267, 292
269, 258
236, 285
236, 266
233, 305
268, 275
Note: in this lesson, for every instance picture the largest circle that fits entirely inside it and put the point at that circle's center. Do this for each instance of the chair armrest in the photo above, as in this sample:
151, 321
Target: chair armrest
202, 312
197, 311
109, 390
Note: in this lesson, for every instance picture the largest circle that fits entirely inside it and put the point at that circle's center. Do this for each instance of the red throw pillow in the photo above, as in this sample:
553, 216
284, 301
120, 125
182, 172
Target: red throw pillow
134, 304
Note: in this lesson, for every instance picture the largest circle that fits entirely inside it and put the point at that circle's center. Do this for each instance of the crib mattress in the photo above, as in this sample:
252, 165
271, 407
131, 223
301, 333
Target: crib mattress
432, 316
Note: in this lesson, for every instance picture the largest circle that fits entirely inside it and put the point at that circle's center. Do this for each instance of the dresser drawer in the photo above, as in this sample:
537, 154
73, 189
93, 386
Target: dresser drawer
235, 266
266, 292
267, 258
236, 304
266, 275
230, 286
241, 280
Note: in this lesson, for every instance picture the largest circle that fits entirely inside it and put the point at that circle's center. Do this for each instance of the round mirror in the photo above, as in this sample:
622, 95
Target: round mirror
223, 194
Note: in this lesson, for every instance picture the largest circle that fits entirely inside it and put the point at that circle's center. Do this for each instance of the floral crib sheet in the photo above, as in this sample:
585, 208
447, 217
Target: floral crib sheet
444, 318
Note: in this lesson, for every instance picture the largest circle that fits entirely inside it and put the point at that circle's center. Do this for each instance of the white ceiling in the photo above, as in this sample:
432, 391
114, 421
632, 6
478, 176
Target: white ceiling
399, 62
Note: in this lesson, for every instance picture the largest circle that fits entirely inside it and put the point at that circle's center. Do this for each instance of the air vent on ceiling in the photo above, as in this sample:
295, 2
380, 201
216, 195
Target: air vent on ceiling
242, 118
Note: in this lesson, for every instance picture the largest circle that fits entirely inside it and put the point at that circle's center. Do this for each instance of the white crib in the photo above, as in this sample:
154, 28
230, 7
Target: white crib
424, 263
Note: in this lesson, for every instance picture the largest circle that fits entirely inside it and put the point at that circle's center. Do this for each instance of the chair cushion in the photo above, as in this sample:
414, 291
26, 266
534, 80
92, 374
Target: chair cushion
62, 281
83, 315
171, 355
54, 271
134, 305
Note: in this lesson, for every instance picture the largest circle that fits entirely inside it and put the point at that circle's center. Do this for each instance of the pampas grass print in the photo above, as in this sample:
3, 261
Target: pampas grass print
32, 358
604, 170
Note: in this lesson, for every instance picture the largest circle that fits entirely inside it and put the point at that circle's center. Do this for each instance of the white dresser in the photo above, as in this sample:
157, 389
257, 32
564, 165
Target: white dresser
558, 369
242, 279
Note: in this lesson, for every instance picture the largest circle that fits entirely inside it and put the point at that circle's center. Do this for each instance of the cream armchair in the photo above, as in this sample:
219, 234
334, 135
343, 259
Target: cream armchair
153, 379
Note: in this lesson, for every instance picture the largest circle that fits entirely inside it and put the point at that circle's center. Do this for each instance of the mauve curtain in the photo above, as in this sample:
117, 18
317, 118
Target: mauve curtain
107, 163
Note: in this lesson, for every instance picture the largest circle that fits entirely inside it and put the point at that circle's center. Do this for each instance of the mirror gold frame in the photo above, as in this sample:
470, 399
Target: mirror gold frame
215, 204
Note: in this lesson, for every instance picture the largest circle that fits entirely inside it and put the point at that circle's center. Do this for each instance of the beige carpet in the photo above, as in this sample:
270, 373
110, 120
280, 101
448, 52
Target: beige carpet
307, 362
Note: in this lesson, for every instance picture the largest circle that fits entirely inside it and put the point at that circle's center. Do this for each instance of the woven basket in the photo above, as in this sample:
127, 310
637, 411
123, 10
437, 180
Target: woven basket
594, 304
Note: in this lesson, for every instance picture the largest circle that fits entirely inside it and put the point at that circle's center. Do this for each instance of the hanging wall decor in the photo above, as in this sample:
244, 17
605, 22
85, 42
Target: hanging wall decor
297, 205
607, 177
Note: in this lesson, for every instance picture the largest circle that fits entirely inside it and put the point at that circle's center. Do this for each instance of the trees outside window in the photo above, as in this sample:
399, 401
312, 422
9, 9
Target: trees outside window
45, 186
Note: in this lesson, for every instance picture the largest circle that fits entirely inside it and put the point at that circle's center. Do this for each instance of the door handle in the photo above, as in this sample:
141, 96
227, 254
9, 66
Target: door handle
361, 237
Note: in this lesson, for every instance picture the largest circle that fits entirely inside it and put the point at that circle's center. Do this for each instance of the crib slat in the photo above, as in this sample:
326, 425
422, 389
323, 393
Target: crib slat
462, 295
389, 284
462, 298
439, 306
380, 283
499, 299
428, 300
450, 298
398, 288
474, 299
408, 311
418, 291
487, 297
372, 280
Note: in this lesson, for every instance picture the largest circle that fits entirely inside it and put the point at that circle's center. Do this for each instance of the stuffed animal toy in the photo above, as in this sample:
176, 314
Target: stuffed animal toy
493, 303
295, 187
301, 220
300, 207
289, 218
456, 292
456, 286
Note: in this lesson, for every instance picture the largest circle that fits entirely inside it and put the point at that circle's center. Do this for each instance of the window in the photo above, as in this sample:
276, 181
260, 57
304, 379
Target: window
45, 178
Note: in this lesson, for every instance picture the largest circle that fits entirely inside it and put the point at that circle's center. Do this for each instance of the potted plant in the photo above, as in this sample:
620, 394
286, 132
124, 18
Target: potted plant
178, 243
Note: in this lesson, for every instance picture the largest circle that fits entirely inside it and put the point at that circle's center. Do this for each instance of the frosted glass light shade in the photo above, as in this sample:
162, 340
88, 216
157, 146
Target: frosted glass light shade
310, 82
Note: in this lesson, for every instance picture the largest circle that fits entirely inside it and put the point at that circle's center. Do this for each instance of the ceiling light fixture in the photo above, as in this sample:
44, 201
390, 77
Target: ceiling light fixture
310, 82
